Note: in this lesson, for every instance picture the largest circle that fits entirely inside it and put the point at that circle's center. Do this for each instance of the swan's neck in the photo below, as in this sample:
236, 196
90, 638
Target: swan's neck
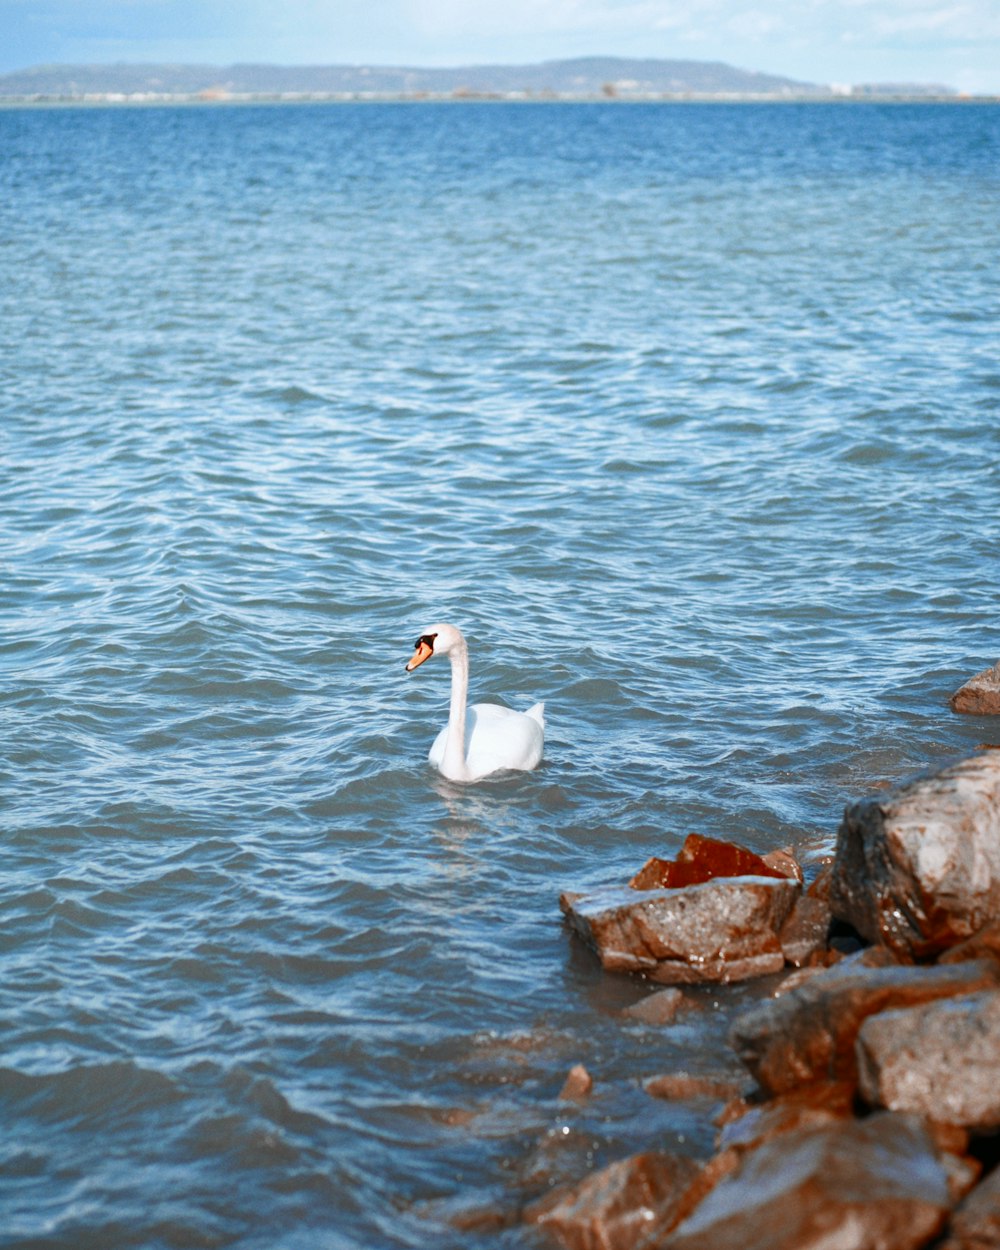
453, 764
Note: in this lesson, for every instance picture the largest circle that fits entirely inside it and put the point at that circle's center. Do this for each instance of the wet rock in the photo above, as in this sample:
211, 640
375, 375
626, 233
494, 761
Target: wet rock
784, 861
801, 1109
975, 1225
874, 1184
659, 1008
619, 1207
919, 870
982, 945
820, 885
703, 859
722, 930
804, 934
578, 1084
808, 1034
686, 1085
980, 696
941, 1059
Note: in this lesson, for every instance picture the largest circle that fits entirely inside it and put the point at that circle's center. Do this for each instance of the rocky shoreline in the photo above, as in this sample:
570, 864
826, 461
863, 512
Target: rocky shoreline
870, 1115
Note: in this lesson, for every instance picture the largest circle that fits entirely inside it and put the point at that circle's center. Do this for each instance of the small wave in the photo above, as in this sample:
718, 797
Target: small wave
91, 1094
293, 396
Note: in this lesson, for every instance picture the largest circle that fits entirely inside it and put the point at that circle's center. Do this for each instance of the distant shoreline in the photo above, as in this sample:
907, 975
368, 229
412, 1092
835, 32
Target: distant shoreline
204, 100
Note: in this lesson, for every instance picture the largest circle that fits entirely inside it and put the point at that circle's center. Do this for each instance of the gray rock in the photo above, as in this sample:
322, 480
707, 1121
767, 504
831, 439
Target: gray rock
919, 870
875, 1184
721, 930
941, 1059
980, 696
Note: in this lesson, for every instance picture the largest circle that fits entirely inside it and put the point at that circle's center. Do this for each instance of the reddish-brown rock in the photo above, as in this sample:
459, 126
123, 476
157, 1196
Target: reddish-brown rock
874, 1184
982, 945
980, 696
919, 870
619, 1207
808, 1034
803, 1108
804, 934
723, 930
702, 859
577, 1085
659, 1008
684, 1085
784, 861
975, 1225
941, 1060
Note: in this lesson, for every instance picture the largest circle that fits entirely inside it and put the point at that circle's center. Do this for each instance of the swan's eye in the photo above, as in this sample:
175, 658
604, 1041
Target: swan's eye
427, 640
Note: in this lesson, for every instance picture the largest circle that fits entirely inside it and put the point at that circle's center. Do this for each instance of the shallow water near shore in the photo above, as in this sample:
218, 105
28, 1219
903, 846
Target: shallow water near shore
688, 415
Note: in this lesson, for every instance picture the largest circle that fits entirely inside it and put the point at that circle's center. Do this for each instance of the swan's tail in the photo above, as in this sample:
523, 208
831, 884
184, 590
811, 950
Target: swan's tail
537, 713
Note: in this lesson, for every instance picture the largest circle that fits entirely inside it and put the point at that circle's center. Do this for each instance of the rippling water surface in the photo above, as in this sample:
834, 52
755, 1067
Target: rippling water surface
688, 415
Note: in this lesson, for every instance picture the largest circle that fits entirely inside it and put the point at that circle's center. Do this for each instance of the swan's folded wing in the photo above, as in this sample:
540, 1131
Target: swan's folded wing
500, 738
537, 713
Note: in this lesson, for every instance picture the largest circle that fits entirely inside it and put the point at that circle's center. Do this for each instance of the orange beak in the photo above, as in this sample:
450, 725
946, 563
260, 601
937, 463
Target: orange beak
423, 652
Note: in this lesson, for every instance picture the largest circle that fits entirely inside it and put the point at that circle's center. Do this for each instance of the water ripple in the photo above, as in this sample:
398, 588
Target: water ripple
697, 442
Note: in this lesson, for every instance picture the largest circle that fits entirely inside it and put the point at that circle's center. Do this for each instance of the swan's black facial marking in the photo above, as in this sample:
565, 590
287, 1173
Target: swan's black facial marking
423, 649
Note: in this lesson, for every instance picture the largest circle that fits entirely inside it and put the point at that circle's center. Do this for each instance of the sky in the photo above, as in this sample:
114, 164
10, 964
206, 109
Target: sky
951, 42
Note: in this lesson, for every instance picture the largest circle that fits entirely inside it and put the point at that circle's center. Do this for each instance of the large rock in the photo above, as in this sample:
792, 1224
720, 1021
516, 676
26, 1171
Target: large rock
722, 930
875, 1184
808, 1034
980, 696
919, 871
618, 1207
941, 1060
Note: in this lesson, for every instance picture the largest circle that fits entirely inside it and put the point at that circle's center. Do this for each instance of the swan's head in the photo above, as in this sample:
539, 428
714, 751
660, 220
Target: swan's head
439, 640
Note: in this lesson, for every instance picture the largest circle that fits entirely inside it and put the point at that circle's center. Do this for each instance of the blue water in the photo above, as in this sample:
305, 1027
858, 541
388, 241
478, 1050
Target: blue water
688, 415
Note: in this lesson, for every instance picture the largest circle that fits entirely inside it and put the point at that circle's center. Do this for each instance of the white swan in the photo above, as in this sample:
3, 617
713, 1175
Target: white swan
497, 737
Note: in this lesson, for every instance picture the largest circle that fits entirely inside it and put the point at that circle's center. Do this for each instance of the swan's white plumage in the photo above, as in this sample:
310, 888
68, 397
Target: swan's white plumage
484, 738
496, 737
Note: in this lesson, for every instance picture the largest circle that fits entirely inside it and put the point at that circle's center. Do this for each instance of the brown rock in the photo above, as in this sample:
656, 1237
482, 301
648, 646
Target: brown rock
919, 870
941, 1060
804, 934
685, 1085
963, 1171
982, 945
808, 1034
808, 1108
874, 1184
975, 1225
820, 885
702, 859
660, 1007
618, 1207
784, 861
578, 1084
723, 930
980, 696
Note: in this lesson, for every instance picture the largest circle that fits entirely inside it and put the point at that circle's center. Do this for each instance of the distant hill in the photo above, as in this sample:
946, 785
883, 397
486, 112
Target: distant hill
584, 77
